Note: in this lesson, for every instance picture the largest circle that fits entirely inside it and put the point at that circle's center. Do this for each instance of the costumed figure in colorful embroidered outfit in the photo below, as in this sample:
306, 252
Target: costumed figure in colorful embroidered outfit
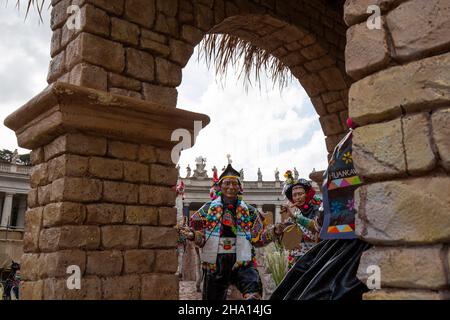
303, 209
328, 270
227, 230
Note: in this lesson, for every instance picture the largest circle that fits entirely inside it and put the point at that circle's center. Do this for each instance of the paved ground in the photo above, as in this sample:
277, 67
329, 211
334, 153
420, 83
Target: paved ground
188, 291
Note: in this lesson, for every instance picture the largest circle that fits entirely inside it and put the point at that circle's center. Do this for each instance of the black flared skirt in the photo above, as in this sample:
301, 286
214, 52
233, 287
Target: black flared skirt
326, 272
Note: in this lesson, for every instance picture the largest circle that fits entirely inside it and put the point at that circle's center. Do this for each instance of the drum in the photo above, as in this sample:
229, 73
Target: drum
292, 237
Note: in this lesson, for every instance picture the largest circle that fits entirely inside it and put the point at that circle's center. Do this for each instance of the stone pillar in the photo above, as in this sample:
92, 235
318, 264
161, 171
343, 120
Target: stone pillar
7, 208
21, 212
400, 101
277, 213
101, 195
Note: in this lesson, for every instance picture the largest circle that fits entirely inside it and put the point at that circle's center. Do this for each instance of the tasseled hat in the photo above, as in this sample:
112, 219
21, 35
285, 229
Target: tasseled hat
290, 183
230, 172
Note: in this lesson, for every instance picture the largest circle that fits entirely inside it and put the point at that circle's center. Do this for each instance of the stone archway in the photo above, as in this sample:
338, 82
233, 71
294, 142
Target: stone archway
102, 176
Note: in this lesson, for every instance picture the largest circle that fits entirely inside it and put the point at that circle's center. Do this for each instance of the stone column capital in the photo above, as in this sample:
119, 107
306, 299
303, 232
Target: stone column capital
63, 108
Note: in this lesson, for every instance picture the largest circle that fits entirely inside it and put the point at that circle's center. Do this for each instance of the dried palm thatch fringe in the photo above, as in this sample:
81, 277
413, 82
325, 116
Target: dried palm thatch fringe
223, 51
38, 4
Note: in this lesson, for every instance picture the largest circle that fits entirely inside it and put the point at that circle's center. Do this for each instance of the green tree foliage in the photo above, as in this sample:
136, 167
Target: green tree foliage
7, 155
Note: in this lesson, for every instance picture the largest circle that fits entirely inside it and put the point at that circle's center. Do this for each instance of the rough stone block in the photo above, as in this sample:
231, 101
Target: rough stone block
168, 73
331, 124
165, 157
191, 34
104, 263
76, 190
154, 195
366, 51
136, 172
378, 150
165, 96
423, 37
420, 156
32, 198
139, 261
141, 12
95, 50
163, 175
417, 86
140, 65
111, 6
415, 267
33, 223
67, 165
44, 195
31, 266
55, 264
141, 215
39, 175
61, 213
56, 289
166, 261
160, 287
313, 84
126, 93
94, 20
413, 211
124, 31
180, 52
122, 150
441, 133
57, 67
119, 81
168, 7
105, 213
158, 237
154, 43
147, 154
37, 156
122, 288
167, 216
120, 237
32, 290
355, 11
69, 237
106, 168
88, 75
76, 144
59, 14
120, 192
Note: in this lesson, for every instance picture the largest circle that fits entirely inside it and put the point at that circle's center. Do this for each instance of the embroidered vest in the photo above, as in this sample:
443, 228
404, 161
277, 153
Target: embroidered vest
208, 253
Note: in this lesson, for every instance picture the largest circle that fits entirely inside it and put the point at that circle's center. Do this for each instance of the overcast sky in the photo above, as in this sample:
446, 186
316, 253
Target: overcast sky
265, 129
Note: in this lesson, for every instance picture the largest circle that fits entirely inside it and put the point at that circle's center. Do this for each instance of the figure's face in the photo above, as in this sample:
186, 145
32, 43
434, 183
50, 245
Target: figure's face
298, 196
230, 187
